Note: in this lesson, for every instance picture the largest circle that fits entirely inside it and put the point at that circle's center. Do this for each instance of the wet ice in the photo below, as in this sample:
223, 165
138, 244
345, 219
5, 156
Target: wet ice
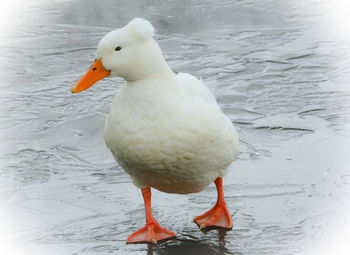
276, 73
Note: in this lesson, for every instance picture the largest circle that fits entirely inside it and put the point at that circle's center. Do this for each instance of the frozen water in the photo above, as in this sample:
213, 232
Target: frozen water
280, 71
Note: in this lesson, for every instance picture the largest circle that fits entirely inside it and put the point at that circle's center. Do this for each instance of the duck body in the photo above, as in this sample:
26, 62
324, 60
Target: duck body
168, 132
164, 129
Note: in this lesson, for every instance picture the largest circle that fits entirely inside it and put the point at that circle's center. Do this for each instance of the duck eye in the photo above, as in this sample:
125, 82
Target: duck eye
118, 48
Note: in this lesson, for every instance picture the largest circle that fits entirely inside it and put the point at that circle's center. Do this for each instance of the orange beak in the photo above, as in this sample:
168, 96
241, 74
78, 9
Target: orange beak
96, 72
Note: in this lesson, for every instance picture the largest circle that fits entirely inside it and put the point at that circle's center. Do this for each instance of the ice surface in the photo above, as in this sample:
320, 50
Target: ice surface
280, 71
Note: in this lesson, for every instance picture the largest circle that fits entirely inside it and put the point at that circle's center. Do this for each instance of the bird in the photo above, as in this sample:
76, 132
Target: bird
165, 129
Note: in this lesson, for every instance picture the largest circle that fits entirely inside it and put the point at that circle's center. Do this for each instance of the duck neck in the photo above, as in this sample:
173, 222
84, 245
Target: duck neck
159, 73
150, 62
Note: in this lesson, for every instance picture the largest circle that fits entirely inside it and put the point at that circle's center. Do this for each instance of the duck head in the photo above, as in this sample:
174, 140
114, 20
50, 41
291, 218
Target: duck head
129, 52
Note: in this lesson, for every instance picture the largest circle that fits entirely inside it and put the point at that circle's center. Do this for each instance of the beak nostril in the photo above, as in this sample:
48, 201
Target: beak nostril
93, 69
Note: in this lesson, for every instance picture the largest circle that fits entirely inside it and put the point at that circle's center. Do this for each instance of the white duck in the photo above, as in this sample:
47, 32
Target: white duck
165, 129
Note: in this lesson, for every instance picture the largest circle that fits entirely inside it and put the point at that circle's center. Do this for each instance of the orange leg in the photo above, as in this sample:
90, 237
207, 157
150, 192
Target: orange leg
151, 232
218, 216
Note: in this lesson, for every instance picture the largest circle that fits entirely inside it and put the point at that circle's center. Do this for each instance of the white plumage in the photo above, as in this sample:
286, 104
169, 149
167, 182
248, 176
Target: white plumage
165, 129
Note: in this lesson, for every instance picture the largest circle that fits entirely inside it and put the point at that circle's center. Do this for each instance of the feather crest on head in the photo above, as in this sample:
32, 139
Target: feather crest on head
143, 28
